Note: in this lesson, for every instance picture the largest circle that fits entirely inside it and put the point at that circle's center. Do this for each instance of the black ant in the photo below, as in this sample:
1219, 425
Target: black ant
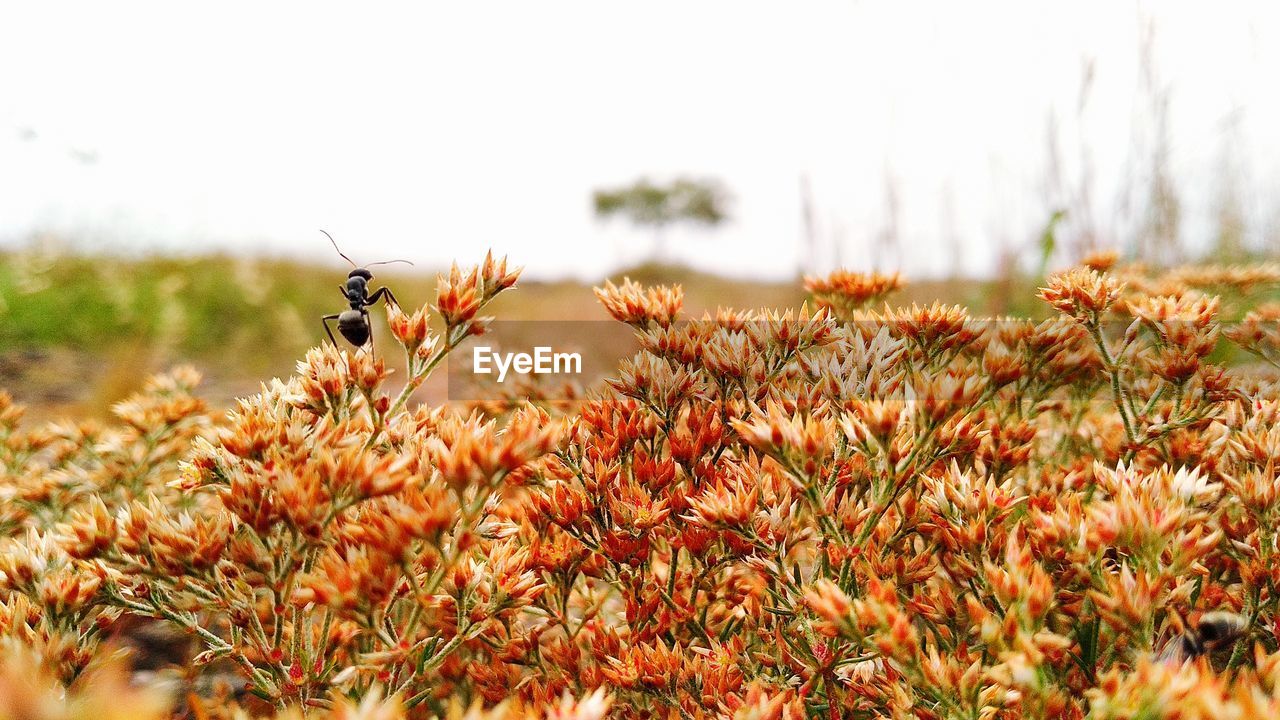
354, 323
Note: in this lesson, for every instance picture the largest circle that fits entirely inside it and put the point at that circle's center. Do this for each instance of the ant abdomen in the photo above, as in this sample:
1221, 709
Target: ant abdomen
354, 326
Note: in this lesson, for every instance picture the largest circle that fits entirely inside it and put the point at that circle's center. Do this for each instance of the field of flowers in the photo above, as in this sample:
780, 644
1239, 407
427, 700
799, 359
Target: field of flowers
846, 510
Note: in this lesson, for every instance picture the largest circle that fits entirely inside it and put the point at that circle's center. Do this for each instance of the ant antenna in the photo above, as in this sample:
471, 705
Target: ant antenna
335, 247
388, 262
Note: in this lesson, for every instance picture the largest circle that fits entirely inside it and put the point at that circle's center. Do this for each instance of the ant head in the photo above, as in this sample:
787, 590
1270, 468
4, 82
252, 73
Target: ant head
360, 272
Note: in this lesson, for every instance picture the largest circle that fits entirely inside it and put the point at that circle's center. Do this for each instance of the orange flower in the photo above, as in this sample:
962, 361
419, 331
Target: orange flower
845, 292
1081, 293
635, 305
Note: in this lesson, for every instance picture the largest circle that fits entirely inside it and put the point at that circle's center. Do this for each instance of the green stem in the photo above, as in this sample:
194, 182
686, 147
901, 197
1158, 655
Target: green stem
1117, 391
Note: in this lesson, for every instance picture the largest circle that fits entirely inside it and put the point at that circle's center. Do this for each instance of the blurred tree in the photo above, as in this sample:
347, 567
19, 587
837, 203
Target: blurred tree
646, 204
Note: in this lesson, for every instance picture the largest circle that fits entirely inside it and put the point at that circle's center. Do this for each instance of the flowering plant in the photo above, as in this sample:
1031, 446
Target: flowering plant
831, 511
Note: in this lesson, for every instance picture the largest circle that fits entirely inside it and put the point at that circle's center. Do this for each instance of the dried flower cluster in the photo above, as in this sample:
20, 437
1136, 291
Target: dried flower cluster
836, 512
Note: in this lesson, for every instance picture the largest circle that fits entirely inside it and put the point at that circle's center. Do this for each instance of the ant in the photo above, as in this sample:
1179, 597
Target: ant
354, 323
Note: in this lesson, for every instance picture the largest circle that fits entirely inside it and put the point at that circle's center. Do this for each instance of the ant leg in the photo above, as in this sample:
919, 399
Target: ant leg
325, 321
373, 349
384, 290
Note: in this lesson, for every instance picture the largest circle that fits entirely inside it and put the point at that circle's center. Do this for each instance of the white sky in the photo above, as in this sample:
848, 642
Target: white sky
434, 130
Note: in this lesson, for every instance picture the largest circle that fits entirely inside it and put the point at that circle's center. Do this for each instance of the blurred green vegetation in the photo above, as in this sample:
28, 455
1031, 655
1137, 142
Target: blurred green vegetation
259, 310
253, 310
78, 332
